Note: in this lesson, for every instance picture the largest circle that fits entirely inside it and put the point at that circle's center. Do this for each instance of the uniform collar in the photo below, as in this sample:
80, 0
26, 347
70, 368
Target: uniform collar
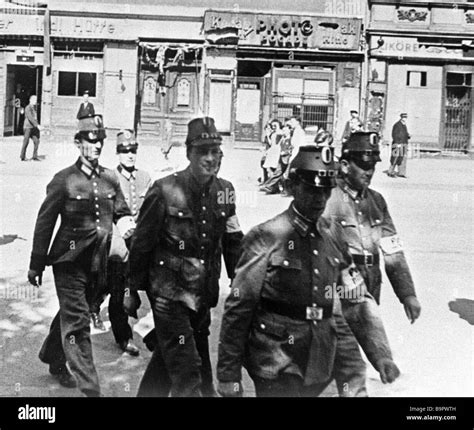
302, 224
126, 174
88, 171
194, 185
354, 194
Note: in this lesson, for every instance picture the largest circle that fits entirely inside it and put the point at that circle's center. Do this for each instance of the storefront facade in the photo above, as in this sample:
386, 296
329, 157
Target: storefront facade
422, 62
153, 67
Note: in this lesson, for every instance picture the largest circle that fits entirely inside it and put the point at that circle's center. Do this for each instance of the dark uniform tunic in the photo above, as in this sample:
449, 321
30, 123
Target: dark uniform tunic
287, 268
368, 227
88, 201
176, 256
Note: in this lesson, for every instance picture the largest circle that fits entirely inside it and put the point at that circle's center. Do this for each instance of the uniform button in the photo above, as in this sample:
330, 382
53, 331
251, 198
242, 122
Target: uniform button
315, 305
109, 196
337, 260
204, 235
316, 271
93, 176
96, 191
286, 263
180, 213
97, 206
97, 220
202, 247
78, 197
315, 252
98, 228
357, 201
97, 213
96, 198
175, 174
377, 221
134, 205
202, 261
223, 213
162, 262
343, 222
204, 208
359, 213
204, 194
95, 184
315, 288
262, 326
204, 221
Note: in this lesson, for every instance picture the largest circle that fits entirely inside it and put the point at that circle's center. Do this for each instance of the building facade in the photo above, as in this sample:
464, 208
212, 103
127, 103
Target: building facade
153, 65
421, 61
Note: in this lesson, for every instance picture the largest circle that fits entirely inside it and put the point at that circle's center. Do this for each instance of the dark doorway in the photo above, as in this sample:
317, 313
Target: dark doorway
22, 82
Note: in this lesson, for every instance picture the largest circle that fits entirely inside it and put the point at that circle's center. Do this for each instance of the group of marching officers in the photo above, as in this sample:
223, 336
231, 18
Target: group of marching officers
305, 284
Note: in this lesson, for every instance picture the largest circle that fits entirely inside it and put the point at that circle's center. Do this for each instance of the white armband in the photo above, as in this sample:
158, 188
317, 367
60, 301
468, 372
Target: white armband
232, 225
391, 244
125, 225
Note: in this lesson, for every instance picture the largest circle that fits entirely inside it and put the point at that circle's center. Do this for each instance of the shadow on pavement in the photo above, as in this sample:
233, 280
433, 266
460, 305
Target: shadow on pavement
465, 309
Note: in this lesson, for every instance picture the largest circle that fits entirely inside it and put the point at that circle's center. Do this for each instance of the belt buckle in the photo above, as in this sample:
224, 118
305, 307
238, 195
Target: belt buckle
369, 259
314, 313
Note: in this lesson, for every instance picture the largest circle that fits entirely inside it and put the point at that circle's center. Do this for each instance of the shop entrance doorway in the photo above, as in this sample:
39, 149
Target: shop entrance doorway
22, 82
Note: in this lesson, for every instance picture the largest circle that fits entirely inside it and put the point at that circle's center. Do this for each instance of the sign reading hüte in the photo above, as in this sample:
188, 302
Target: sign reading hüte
285, 31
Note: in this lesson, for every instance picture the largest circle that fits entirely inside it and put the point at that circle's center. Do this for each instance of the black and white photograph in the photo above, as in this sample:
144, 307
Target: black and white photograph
237, 198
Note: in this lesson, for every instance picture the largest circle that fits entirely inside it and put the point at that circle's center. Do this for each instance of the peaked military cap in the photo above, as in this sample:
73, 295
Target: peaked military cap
91, 128
315, 166
363, 145
203, 131
126, 140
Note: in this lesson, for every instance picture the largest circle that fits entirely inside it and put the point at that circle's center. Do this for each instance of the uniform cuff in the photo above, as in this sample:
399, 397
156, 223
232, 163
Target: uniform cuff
37, 262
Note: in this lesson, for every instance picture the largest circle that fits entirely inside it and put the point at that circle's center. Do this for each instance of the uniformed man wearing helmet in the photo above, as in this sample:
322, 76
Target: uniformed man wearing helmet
279, 318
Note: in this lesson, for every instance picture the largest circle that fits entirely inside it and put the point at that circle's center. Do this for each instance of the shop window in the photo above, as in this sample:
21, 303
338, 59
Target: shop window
184, 93
416, 79
75, 83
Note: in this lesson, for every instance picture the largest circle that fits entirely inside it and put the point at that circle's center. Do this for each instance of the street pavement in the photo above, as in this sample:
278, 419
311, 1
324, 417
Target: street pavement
432, 209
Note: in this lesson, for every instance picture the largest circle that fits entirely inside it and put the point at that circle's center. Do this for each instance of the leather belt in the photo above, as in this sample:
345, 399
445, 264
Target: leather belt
366, 259
312, 313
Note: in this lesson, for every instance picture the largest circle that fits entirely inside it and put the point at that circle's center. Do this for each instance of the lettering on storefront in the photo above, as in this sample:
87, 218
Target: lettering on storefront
401, 47
67, 26
282, 31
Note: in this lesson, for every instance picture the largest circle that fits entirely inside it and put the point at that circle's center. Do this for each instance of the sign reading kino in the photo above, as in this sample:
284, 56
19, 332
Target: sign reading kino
287, 30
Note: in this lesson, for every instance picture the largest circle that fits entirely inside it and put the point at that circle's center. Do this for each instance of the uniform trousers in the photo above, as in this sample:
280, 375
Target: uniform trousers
180, 365
69, 335
116, 280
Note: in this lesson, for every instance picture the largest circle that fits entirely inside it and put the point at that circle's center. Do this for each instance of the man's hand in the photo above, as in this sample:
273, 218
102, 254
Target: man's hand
412, 308
131, 303
230, 389
35, 278
388, 370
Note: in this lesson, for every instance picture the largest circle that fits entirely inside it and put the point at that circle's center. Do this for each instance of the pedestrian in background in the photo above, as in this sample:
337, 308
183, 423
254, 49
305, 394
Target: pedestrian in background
352, 125
134, 184
89, 200
265, 145
31, 129
398, 158
187, 221
86, 108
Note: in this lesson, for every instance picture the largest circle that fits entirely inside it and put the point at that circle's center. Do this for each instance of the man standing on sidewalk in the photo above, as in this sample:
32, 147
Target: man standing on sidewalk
398, 158
31, 129
134, 184
89, 200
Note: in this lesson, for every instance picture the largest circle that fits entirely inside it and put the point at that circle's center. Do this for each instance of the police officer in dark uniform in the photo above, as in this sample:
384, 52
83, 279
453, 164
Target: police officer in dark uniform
371, 235
186, 220
134, 184
364, 215
283, 309
88, 198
